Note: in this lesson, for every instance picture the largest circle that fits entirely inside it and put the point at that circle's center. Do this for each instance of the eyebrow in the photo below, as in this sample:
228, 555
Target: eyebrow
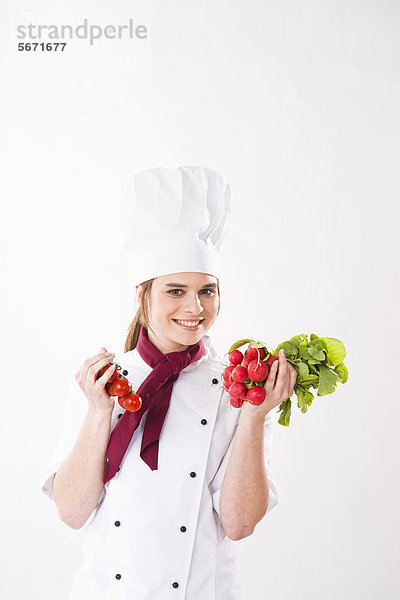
180, 285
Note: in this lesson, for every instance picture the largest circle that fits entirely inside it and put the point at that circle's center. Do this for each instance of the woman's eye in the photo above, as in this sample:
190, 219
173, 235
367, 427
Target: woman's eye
178, 290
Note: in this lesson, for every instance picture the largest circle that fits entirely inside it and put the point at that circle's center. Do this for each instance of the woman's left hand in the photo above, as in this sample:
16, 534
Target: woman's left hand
276, 389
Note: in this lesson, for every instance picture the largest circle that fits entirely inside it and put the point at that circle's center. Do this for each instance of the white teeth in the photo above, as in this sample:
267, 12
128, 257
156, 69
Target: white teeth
188, 323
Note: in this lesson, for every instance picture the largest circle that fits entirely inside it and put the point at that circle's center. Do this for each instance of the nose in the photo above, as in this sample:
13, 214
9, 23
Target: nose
193, 305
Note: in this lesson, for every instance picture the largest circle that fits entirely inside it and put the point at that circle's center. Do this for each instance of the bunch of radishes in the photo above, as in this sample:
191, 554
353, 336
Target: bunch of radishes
245, 377
318, 362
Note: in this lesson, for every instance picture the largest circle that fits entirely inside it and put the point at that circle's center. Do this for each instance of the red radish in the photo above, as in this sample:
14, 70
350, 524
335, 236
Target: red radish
256, 395
270, 360
227, 385
257, 370
246, 361
239, 373
235, 357
227, 372
237, 390
236, 402
255, 353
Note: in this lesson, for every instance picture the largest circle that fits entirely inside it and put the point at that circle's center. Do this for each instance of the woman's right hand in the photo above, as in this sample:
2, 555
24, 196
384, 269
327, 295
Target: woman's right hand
94, 389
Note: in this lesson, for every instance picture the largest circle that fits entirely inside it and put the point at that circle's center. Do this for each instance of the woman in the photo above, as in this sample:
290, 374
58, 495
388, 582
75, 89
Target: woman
166, 491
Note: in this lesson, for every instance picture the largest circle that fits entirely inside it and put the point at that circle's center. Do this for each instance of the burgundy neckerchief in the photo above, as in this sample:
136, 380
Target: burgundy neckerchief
155, 392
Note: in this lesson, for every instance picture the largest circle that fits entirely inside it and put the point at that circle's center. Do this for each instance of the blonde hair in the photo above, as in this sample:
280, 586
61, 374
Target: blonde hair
141, 318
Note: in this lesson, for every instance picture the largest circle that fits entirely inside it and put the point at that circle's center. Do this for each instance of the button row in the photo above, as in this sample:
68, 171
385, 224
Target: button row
119, 576
183, 529
214, 380
192, 474
118, 524
203, 422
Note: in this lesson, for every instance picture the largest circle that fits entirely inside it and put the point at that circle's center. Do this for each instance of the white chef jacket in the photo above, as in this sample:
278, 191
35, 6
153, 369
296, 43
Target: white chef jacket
157, 534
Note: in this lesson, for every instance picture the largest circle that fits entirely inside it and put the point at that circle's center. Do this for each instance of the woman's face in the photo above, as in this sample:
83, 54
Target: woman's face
181, 297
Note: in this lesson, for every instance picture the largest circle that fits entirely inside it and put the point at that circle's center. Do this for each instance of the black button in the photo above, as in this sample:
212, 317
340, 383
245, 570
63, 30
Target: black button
183, 528
120, 415
118, 576
119, 468
117, 523
215, 381
192, 474
204, 421
125, 372
175, 584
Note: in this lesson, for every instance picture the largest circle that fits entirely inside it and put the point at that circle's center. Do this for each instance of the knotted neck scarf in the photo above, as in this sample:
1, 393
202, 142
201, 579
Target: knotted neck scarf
155, 392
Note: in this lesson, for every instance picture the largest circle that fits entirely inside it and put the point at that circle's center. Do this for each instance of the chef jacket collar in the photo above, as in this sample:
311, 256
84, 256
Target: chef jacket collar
209, 354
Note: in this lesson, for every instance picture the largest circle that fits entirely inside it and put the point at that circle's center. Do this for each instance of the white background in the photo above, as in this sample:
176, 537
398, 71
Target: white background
296, 103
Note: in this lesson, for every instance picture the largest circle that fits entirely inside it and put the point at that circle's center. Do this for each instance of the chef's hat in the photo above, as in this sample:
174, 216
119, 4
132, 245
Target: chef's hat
174, 221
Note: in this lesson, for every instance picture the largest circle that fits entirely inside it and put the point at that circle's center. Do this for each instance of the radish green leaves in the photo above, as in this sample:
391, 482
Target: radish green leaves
318, 362
319, 365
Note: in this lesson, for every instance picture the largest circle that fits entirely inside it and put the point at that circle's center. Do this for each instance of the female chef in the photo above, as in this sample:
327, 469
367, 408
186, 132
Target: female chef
164, 492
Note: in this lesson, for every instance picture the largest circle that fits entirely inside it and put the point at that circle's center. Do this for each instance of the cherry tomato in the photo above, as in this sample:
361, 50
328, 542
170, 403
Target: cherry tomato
120, 387
131, 402
108, 388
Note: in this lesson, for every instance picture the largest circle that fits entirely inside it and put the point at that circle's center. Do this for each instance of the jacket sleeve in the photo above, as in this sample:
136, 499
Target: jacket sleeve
216, 484
74, 415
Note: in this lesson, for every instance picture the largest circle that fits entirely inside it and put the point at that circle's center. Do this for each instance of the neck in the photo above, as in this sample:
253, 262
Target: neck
165, 348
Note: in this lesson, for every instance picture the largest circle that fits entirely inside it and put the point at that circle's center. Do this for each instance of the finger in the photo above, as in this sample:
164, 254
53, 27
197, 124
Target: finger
92, 359
89, 362
282, 378
82, 369
292, 379
94, 369
106, 375
269, 384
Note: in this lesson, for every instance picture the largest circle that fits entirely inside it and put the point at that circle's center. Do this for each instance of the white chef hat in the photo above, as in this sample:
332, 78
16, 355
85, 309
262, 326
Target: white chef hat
174, 221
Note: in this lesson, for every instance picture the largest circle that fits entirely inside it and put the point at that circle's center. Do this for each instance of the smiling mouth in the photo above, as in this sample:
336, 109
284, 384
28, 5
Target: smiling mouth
189, 324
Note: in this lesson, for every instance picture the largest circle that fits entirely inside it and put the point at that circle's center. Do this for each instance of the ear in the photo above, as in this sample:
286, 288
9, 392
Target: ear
139, 291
